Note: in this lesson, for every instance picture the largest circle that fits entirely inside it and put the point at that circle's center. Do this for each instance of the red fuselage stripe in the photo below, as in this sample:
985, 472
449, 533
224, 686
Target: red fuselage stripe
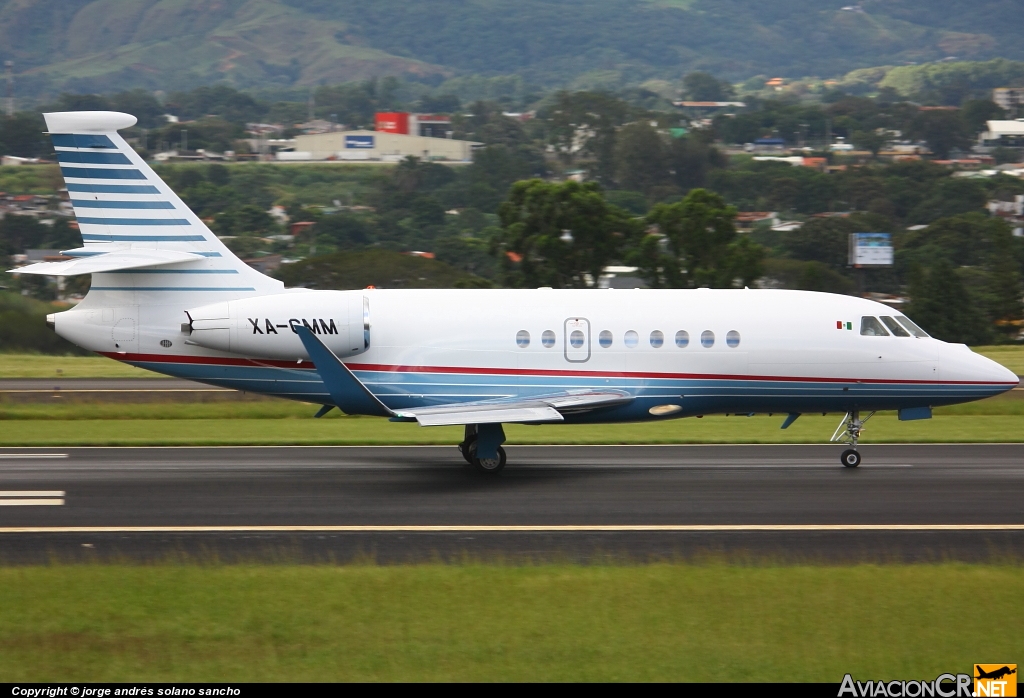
386, 368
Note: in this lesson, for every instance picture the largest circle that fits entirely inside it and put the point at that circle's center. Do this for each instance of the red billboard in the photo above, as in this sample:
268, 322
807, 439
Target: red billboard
392, 121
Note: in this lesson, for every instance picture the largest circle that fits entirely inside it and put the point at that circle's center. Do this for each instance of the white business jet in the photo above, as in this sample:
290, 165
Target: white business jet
168, 296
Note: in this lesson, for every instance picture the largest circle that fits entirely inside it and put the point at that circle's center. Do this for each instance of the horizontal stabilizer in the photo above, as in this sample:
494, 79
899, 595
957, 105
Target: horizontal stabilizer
109, 261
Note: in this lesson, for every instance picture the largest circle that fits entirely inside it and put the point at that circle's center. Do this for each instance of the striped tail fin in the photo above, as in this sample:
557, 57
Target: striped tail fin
139, 237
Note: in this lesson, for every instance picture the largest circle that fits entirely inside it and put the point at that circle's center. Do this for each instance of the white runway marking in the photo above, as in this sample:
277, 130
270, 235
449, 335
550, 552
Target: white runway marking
626, 528
31, 498
19, 456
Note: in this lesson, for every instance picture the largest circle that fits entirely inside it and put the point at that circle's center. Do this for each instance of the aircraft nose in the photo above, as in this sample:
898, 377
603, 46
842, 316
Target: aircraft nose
959, 364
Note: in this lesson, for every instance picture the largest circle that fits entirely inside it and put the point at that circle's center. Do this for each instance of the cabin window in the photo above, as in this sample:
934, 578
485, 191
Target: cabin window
605, 339
732, 338
657, 339
893, 326
576, 339
548, 339
707, 339
523, 338
871, 327
682, 339
914, 329
631, 339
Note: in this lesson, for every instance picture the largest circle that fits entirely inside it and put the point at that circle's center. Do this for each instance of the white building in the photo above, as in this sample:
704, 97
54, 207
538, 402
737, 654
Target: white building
1009, 98
1009, 133
378, 145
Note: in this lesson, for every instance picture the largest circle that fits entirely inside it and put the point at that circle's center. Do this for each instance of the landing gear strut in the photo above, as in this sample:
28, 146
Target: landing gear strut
482, 449
848, 432
467, 442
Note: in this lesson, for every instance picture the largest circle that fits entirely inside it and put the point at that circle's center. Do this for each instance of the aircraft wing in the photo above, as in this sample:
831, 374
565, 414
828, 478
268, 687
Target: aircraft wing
547, 408
349, 393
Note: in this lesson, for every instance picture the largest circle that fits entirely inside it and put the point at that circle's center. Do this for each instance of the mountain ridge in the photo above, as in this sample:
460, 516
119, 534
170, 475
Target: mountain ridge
109, 45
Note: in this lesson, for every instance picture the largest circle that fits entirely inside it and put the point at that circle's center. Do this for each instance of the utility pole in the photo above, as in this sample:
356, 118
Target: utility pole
184, 141
311, 103
9, 70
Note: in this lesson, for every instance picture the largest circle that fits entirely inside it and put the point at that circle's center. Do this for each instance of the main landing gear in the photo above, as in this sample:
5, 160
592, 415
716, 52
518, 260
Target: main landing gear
848, 432
482, 449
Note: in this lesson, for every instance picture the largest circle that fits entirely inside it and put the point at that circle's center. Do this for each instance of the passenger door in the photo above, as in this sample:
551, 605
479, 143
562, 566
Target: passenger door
577, 340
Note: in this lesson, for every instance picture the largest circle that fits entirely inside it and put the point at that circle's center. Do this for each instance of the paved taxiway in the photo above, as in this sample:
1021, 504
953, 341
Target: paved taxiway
577, 502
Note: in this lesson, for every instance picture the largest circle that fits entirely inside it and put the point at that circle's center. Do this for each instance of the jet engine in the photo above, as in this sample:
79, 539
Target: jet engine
263, 326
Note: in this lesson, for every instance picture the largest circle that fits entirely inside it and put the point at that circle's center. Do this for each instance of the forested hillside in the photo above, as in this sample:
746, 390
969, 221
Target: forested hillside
108, 45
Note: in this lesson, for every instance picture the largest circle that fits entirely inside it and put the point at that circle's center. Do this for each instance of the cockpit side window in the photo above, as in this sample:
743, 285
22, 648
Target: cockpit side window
871, 327
914, 329
893, 326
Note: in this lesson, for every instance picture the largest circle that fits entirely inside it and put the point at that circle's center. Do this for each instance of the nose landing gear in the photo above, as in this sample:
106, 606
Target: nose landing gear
848, 432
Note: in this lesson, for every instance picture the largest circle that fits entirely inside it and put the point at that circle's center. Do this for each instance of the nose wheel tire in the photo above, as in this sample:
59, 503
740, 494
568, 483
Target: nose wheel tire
850, 458
491, 466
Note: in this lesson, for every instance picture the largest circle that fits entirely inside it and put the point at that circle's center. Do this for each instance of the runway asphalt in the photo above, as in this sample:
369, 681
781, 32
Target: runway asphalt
905, 502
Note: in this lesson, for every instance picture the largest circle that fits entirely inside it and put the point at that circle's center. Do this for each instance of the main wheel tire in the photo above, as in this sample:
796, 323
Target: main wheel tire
850, 458
491, 466
464, 449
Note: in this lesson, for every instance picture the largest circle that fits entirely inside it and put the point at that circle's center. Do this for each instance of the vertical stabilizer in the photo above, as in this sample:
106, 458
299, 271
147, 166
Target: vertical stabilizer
123, 207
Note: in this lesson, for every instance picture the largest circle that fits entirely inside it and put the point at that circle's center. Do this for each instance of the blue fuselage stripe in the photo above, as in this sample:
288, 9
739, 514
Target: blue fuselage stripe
399, 389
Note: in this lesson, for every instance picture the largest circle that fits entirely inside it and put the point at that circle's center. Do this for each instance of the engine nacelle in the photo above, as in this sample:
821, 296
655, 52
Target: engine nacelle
263, 326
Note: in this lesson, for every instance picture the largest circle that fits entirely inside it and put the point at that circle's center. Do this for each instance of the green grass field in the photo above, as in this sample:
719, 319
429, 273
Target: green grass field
471, 622
46, 366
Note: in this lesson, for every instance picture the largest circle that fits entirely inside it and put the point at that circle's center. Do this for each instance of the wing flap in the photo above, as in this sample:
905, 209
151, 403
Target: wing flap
109, 261
547, 408
452, 415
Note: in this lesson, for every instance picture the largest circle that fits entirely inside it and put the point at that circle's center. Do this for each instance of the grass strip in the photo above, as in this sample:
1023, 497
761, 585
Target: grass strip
46, 366
884, 428
471, 622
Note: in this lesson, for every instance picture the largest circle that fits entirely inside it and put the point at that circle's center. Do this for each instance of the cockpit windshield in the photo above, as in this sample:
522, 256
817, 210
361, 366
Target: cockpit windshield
871, 327
893, 326
914, 329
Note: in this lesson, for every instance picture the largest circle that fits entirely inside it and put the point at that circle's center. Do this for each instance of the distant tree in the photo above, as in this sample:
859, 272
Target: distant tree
869, 140
978, 111
940, 304
704, 87
19, 233
823, 240
691, 158
559, 233
585, 124
949, 197
641, 158
22, 135
697, 245
76, 102
439, 104
346, 230
142, 105
941, 130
